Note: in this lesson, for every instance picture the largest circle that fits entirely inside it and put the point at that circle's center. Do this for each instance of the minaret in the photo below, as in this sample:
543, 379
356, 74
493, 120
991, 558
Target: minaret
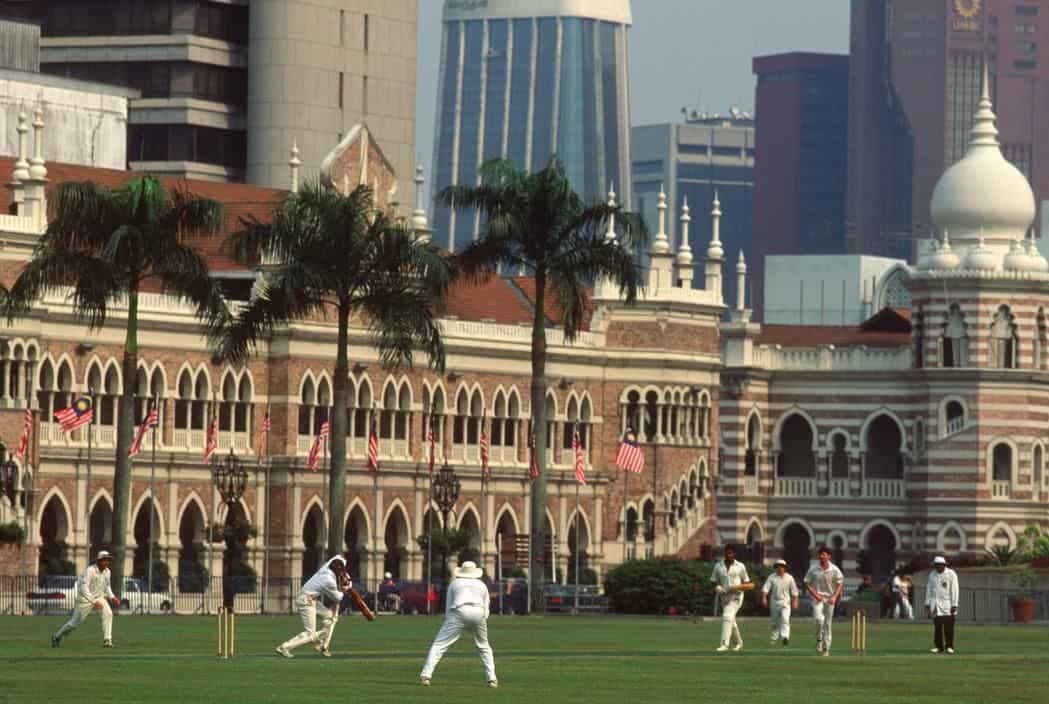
293, 166
684, 252
36, 183
604, 288
741, 283
420, 226
610, 234
660, 258
715, 253
21, 170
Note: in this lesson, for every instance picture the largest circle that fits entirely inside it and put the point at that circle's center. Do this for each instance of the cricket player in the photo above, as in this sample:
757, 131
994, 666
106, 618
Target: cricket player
730, 581
466, 608
322, 592
941, 602
93, 591
779, 596
824, 582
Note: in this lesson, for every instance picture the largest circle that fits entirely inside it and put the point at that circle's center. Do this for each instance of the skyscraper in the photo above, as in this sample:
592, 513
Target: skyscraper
526, 80
226, 87
916, 72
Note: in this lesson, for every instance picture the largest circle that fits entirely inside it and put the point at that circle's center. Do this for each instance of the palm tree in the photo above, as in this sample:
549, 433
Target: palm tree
106, 245
535, 222
335, 253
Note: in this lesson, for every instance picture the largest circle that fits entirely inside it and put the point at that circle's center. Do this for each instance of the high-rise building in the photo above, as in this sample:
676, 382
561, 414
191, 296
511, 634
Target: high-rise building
707, 155
799, 177
227, 87
916, 72
526, 80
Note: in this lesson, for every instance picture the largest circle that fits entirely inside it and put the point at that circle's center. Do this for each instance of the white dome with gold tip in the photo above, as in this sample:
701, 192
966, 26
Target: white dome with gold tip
983, 191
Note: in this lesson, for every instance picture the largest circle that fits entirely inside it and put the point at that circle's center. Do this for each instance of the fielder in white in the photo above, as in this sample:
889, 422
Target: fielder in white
93, 591
466, 608
824, 582
730, 581
779, 596
323, 592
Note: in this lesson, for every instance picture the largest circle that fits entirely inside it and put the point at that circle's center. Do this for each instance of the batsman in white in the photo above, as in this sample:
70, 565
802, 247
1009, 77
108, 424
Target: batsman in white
323, 592
779, 596
730, 580
824, 582
93, 591
466, 608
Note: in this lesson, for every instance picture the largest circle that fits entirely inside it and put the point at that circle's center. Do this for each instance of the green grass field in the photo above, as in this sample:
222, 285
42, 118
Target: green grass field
552, 659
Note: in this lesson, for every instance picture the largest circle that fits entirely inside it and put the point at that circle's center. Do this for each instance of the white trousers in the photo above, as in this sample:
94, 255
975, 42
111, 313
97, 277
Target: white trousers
729, 629
903, 603
466, 618
81, 610
779, 618
308, 610
823, 614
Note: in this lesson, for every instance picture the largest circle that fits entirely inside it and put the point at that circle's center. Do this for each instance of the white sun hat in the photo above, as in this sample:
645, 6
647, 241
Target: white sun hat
103, 555
469, 570
939, 560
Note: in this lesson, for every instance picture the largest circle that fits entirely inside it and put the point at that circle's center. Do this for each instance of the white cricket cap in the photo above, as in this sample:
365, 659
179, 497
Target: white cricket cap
387, 576
103, 555
777, 563
939, 560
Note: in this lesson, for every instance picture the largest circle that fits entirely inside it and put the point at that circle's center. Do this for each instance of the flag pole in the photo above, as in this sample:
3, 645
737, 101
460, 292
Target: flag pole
429, 525
374, 428
484, 482
211, 511
152, 498
575, 606
626, 511
266, 517
325, 504
87, 492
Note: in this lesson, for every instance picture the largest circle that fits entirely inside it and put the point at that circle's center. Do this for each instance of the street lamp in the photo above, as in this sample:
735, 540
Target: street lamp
230, 479
8, 476
445, 492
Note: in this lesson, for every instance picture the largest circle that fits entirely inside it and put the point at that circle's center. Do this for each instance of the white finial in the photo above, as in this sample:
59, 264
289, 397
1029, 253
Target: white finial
984, 133
741, 282
21, 171
661, 244
715, 250
610, 234
293, 164
741, 263
420, 226
684, 251
37, 170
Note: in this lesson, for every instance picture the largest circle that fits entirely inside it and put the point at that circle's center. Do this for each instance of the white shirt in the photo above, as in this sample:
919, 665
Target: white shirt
941, 593
781, 590
467, 592
323, 585
824, 582
93, 584
732, 576
900, 587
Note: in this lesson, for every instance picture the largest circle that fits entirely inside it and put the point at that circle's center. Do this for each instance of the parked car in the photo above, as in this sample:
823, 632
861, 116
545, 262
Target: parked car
137, 600
55, 597
558, 598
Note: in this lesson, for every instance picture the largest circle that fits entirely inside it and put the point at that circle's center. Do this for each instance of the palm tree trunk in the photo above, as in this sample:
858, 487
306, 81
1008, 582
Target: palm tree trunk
125, 430
337, 485
538, 508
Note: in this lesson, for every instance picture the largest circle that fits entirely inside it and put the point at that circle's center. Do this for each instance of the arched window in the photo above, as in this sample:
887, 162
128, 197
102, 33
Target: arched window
202, 394
954, 417
1002, 460
242, 411
1037, 465
648, 518
884, 440
796, 458
918, 338
839, 460
1038, 348
229, 400
433, 414
631, 413
551, 426
307, 402
46, 388
919, 437
651, 418
568, 428
750, 462
184, 400
954, 347
142, 395
1004, 340
403, 420
388, 411
363, 410
16, 368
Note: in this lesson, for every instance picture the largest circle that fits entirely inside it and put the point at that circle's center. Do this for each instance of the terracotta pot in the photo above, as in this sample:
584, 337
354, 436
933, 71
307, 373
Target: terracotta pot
1023, 609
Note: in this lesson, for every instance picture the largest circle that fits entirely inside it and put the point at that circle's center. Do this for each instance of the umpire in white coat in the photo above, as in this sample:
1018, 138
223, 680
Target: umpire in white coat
466, 608
941, 602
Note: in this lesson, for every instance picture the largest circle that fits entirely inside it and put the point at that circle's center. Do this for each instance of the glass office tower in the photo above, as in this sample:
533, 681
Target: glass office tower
526, 80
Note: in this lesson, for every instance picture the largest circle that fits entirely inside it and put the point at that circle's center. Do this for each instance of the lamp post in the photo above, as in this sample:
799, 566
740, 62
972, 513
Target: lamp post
230, 479
8, 477
445, 492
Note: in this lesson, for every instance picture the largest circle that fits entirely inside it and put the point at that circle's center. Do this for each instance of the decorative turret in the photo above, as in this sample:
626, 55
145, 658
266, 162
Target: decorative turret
1038, 261
660, 258
293, 167
21, 171
610, 233
944, 258
684, 252
1017, 259
35, 184
980, 258
715, 252
420, 226
741, 282
604, 288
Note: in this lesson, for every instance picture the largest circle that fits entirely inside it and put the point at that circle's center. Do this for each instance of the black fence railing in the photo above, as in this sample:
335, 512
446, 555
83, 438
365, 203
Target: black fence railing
23, 595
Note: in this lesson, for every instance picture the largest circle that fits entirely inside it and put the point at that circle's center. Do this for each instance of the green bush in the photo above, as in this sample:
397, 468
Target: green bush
656, 585
11, 533
192, 576
243, 576
161, 575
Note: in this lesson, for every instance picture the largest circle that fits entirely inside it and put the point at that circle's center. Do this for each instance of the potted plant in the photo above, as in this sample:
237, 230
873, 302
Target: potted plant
1023, 603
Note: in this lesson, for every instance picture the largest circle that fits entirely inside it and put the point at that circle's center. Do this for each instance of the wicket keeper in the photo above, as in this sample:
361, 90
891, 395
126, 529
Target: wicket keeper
93, 591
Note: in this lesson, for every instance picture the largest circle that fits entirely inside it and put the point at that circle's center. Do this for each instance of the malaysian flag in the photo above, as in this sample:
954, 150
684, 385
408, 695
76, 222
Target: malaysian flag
373, 448
81, 412
314, 458
433, 446
27, 427
213, 439
580, 464
263, 434
533, 460
485, 464
150, 422
629, 456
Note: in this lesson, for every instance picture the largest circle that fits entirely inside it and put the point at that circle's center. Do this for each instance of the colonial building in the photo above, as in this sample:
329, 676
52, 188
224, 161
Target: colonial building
919, 430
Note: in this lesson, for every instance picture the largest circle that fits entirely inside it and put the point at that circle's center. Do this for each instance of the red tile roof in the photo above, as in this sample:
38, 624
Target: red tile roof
816, 335
493, 299
526, 285
240, 200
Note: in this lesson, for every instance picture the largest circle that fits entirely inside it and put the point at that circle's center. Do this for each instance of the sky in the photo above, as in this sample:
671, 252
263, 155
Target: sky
683, 53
